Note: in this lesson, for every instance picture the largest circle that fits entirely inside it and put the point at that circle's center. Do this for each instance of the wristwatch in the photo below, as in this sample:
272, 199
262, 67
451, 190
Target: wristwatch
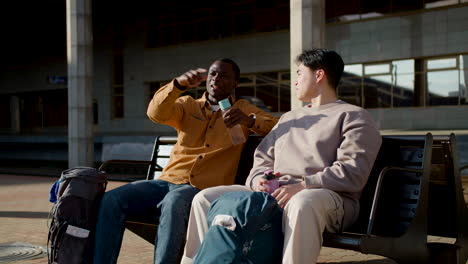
254, 117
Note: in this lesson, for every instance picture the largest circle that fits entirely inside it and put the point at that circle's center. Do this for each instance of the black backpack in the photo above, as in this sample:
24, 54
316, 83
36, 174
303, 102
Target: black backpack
71, 231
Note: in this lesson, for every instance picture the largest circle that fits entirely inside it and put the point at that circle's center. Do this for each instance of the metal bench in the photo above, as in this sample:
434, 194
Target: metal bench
392, 220
400, 210
414, 190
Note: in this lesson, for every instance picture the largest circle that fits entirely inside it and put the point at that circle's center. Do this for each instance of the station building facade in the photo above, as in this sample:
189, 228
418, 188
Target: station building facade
406, 63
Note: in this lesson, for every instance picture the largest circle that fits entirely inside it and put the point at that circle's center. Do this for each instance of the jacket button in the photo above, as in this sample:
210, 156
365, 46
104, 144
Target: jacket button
191, 176
210, 126
200, 157
207, 145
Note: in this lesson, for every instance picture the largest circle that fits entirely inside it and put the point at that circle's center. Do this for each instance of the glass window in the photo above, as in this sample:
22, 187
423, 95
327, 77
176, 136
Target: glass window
117, 84
55, 108
268, 97
267, 78
354, 69
464, 61
285, 76
5, 117
95, 112
463, 79
377, 69
349, 89
285, 91
282, 15
222, 26
378, 91
262, 20
406, 83
118, 68
437, 3
222, 19
204, 30
463, 87
269, 91
337, 11
246, 88
443, 87
340, 11
243, 23
154, 87
403, 90
403, 80
403, 66
377, 85
405, 5
118, 107
261, 90
46, 108
372, 8
447, 63
285, 97
118, 90
245, 92
117, 101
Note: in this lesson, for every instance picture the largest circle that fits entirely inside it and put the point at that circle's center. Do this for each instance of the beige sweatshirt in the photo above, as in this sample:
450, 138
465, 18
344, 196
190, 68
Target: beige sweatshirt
332, 146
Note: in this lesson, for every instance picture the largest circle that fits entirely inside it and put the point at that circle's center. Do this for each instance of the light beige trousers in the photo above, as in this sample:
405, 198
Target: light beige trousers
305, 217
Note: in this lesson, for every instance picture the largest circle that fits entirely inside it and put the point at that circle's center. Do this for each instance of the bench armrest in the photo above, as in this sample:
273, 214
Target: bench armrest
378, 187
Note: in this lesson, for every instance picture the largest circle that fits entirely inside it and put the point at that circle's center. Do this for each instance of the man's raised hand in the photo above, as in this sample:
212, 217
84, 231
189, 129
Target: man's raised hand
192, 78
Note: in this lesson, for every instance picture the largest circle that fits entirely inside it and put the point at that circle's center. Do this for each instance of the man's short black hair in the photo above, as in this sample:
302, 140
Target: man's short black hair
234, 65
327, 60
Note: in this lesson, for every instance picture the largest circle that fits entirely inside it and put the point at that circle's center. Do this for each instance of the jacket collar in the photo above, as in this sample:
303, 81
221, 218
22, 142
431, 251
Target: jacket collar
204, 103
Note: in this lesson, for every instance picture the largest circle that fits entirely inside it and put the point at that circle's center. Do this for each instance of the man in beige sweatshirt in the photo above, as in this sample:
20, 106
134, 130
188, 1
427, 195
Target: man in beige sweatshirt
322, 153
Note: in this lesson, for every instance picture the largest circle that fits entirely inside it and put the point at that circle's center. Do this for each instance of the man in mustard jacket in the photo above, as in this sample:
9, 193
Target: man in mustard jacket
202, 157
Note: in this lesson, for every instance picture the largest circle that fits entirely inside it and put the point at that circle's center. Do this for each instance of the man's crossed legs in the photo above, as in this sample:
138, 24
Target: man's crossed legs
305, 217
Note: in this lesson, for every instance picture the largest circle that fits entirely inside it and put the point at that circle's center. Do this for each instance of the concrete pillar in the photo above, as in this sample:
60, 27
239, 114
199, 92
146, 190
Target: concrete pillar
15, 114
80, 83
307, 31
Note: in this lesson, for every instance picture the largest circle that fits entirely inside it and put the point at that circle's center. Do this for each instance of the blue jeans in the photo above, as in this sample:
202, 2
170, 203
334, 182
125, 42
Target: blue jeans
173, 203
244, 227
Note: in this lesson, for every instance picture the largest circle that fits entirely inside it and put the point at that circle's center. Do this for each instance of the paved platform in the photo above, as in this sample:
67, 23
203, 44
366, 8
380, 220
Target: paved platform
24, 209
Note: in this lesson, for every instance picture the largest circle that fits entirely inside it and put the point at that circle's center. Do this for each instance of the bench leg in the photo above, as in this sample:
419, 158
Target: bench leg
446, 253
403, 251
